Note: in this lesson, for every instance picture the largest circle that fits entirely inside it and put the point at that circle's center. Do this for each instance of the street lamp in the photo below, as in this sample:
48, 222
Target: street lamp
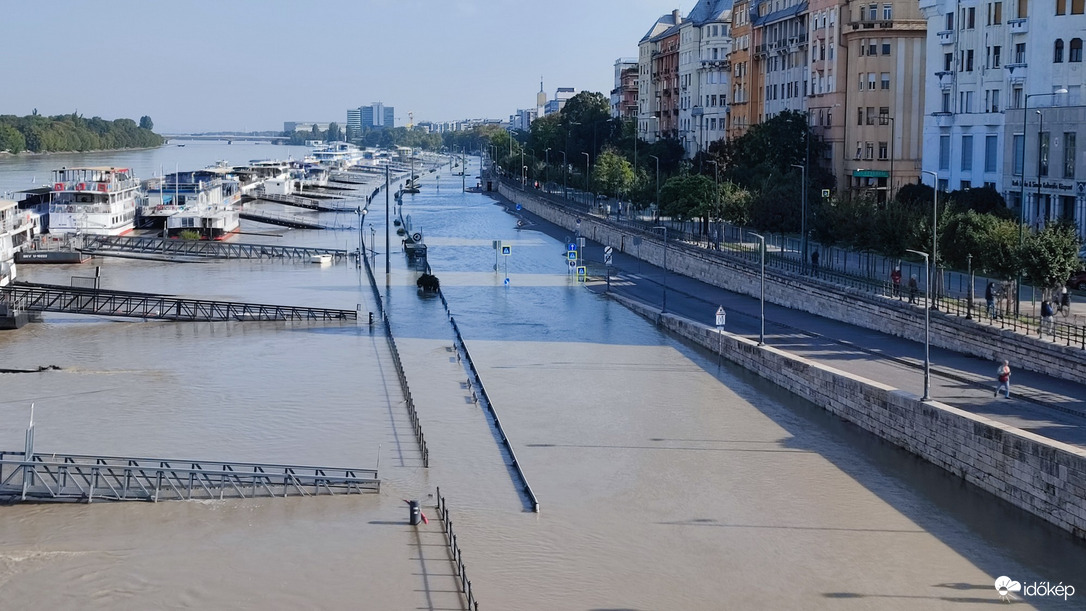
927, 332
587, 177
657, 184
524, 173
761, 249
547, 167
565, 176
803, 214
716, 182
934, 231
969, 293
1022, 194
883, 120
663, 308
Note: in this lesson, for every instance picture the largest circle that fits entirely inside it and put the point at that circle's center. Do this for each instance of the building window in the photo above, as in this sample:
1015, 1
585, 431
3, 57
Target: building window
995, 13
969, 60
1068, 154
995, 56
1042, 161
883, 146
869, 150
886, 47
861, 81
1077, 7
1061, 7
1057, 54
948, 62
887, 12
1019, 153
870, 115
872, 47
991, 150
1016, 97
885, 80
1020, 53
871, 81
1075, 55
950, 21
967, 154
946, 102
944, 152
859, 118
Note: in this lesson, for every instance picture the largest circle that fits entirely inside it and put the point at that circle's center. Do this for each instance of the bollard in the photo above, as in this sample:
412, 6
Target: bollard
371, 318
413, 508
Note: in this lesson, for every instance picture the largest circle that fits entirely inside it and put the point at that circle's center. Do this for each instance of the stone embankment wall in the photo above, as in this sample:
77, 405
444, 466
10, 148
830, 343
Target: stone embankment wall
1044, 477
823, 298
1041, 476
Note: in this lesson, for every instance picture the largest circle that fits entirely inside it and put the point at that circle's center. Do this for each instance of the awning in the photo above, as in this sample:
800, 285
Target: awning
871, 174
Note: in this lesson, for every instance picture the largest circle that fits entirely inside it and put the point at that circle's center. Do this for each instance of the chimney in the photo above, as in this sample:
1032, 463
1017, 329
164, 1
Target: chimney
676, 16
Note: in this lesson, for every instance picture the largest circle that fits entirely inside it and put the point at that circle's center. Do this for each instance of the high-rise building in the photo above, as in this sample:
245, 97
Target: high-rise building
374, 116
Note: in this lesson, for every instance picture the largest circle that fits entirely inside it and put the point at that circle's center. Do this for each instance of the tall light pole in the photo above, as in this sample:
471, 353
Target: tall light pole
1022, 193
803, 214
716, 182
388, 222
1040, 159
761, 250
663, 308
565, 176
657, 184
927, 332
587, 178
547, 168
934, 231
524, 172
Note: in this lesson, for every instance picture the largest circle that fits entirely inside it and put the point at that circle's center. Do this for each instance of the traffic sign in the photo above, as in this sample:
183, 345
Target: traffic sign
571, 246
582, 272
607, 250
721, 316
572, 255
825, 193
505, 250
518, 206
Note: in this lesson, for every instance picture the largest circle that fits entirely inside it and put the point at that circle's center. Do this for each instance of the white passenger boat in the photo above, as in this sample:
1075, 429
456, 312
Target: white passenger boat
321, 259
93, 200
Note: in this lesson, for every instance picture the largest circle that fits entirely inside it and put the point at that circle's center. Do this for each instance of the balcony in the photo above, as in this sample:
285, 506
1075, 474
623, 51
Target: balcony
943, 119
946, 79
946, 37
1019, 26
870, 24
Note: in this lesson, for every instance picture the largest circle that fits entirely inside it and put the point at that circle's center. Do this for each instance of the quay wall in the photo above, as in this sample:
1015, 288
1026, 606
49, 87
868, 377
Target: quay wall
818, 297
1044, 477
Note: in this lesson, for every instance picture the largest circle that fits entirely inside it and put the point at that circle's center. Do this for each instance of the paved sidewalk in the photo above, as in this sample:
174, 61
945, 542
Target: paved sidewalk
1044, 405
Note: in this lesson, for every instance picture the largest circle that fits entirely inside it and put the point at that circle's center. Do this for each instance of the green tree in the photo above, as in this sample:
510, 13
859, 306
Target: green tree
1048, 257
685, 196
11, 140
146, 123
613, 174
333, 134
734, 204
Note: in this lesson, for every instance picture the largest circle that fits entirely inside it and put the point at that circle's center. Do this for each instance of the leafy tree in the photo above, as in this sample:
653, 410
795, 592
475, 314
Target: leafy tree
333, 134
1000, 251
734, 204
981, 199
1049, 256
966, 234
685, 196
11, 140
146, 123
613, 173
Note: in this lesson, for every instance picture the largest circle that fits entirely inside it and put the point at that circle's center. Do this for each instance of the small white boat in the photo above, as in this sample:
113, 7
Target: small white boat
321, 259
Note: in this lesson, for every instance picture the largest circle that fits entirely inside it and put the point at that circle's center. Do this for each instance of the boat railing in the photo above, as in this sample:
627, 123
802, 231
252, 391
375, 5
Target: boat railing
73, 208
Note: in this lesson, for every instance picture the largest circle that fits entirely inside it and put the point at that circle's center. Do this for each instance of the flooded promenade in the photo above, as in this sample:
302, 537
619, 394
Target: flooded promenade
666, 480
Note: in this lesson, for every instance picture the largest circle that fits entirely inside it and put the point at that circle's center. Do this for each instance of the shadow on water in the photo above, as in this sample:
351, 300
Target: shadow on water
951, 506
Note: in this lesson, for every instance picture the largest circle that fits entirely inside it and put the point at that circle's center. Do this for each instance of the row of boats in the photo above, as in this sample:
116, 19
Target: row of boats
203, 204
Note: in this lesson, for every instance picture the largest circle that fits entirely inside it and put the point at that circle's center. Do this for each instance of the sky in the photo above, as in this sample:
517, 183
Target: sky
199, 65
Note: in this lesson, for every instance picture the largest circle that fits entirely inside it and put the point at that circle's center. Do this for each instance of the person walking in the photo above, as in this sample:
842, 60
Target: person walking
814, 263
895, 281
989, 299
913, 289
1003, 374
1047, 312
1065, 301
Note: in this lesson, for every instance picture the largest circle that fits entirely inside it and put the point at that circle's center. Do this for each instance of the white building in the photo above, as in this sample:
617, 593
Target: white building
704, 70
990, 65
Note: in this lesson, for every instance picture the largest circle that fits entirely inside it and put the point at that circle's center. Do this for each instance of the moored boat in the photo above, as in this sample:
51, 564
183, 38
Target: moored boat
93, 200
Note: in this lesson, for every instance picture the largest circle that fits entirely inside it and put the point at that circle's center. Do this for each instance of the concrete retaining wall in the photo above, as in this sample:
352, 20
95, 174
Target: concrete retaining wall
1043, 477
822, 298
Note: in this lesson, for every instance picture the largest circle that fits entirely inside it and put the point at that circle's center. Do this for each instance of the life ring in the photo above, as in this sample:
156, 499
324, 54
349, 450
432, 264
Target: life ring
103, 187
80, 187
58, 186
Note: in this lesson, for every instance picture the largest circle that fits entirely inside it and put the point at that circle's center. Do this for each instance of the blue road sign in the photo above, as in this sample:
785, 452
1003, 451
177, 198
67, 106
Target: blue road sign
571, 246
518, 206
572, 255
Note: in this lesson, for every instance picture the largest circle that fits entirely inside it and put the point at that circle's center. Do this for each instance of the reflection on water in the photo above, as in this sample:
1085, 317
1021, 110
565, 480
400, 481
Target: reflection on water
665, 481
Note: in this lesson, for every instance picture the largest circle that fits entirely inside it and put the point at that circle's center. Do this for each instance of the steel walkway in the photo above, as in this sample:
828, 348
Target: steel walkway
26, 296
303, 202
208, 249
294, 222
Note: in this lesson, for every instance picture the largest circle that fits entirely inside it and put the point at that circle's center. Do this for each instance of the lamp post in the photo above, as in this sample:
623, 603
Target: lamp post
761, 250
716, 182
657, 184
803, 214
388, 223
565, 176
884, 119
1040, 160
524, 172
927, 333
547, 167
587, 177
934, 233
969, 293
663, 308
1022, 193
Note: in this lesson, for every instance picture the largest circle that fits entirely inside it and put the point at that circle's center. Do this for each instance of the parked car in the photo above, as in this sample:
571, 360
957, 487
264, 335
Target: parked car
1077, 280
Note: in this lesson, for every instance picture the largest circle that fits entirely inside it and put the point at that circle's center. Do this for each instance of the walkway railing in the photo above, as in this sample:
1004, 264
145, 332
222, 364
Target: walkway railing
412, 413
454, 551
104, 244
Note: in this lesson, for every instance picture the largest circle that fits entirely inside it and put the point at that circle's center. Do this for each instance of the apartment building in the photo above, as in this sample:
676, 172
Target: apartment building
1005, 103
886, 51
744, 80
827, 77
624, 93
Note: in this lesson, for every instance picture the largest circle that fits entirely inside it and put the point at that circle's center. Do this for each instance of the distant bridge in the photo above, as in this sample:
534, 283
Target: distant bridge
229, 138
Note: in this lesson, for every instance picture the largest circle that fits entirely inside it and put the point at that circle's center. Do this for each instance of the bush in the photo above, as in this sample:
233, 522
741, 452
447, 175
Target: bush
428, 282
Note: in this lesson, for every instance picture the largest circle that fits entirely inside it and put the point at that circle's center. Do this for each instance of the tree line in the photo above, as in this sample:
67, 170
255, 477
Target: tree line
72, 132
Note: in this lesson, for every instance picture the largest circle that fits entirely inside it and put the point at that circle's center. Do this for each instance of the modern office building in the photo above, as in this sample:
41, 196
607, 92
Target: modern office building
374, 116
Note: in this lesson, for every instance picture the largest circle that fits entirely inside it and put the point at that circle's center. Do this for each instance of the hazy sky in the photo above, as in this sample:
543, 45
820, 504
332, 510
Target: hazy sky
246, 64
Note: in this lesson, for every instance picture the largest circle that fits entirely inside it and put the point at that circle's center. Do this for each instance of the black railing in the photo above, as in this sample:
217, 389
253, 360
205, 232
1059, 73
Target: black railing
454, 551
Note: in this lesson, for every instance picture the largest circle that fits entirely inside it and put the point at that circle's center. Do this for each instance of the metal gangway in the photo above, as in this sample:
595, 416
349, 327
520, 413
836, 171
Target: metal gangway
302, 202
204, 249
31, 476
282, 220
33, 297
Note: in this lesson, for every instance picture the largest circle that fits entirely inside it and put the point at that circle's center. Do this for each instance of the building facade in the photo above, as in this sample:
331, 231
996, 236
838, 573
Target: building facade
624, 93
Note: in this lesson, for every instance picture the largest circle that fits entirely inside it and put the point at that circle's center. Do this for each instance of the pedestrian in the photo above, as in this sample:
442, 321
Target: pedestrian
1003, 374
814, 263
1065, 301
895, 280
989, 299
913, 289
1047, 312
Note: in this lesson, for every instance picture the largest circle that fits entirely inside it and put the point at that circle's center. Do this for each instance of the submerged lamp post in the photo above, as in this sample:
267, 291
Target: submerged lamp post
934, 232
